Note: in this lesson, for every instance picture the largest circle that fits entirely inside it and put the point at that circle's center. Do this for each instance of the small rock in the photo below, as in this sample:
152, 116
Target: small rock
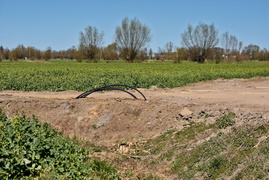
80, 118
202, 111
123, 148
185, 112
216, 114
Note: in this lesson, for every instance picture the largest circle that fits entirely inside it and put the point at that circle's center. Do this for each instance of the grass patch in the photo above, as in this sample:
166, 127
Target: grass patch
94, 148
226, 120
189, 160
217, 158
244, 140
156, 145
192, 131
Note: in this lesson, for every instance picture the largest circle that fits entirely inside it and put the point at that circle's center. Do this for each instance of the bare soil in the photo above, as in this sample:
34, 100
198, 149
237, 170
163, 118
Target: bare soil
106, 118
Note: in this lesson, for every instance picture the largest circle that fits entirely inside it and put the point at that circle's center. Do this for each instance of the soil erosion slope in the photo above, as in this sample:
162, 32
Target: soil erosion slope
107, 117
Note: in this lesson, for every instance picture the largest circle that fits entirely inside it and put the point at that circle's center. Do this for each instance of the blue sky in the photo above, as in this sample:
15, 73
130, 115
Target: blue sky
57, 23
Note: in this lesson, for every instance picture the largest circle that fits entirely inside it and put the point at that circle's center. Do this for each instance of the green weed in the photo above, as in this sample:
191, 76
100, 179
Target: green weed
226, 120
94, 126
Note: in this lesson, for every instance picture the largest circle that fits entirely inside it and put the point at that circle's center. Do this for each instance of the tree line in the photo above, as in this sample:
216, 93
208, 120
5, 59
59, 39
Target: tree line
131, 39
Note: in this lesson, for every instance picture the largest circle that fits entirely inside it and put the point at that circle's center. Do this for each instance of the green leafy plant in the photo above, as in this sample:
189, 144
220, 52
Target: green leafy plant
31, 149
226, 120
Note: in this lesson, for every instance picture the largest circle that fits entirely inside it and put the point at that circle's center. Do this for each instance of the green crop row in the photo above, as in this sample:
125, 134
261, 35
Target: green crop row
57, 76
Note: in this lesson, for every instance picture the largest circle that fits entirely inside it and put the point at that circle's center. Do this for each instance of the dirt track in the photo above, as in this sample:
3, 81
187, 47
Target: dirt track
108, 117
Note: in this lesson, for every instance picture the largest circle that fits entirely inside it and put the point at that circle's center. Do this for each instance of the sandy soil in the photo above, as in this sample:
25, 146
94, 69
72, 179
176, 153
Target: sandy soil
106, 118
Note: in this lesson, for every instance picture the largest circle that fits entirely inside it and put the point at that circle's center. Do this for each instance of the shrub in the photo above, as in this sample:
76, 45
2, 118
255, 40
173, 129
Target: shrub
31, 149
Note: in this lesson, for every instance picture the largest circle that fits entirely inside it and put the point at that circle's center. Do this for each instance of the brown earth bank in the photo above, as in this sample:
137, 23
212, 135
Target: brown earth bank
113, 118
106, 117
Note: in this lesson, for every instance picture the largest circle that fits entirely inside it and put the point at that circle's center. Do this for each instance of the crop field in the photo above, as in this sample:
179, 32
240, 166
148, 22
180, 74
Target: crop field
61, 76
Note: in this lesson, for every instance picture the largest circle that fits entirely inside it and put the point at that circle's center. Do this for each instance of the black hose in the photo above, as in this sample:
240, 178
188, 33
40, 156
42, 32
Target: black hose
110, 87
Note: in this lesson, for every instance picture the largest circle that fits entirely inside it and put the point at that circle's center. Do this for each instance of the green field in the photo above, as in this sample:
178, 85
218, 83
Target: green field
71, 75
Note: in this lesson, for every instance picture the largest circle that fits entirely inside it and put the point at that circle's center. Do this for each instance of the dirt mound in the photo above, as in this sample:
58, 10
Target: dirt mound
106, 118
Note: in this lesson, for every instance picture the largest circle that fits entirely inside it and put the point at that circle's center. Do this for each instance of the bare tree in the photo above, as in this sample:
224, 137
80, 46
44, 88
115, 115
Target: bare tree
240, 46
47, 54
150, 53
252, 51
168, 50
110, 52
90, 42
71, 52
225, 42
200, 41
1, 52
169, 47
131, 37
160, 55
233, 43
230, 44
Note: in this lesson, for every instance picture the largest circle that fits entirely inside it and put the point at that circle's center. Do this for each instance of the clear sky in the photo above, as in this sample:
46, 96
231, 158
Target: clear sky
57, 23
